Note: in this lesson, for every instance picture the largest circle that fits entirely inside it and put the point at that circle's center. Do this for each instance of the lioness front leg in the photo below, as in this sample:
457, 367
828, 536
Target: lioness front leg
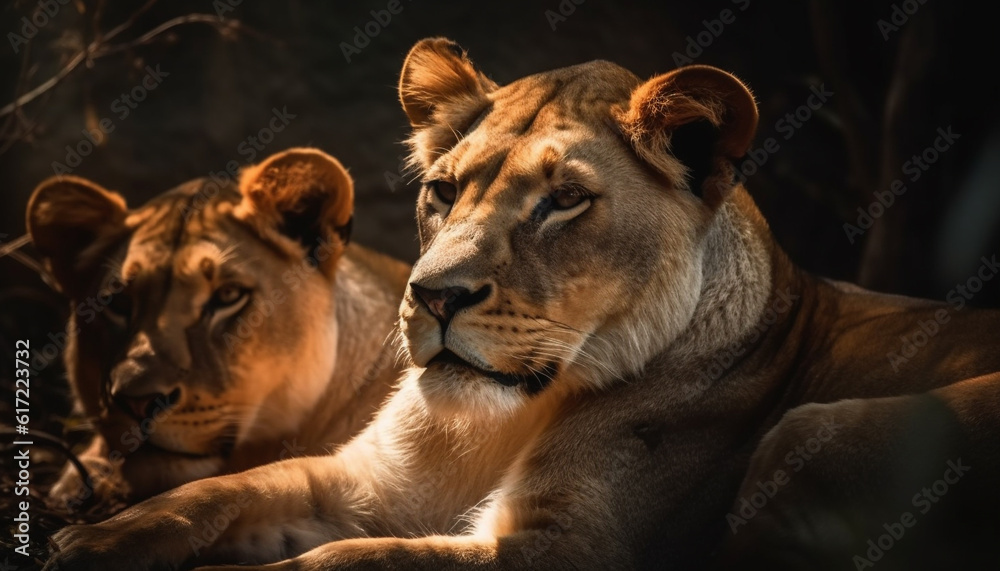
434, 553
531, 520
917, 467
261, 515
379, 484
543, 539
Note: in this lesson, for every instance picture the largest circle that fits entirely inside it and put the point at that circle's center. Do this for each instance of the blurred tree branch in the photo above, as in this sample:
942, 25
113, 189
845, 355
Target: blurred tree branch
880, 130
909, 116
860, 133
101, 46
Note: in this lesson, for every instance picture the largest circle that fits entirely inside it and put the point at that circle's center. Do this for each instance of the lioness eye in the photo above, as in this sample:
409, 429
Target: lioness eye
227, 295
567, 197
445, 191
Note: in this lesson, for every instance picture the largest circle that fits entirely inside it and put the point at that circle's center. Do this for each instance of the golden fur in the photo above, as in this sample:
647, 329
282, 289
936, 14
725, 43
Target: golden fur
585, 259
182, 386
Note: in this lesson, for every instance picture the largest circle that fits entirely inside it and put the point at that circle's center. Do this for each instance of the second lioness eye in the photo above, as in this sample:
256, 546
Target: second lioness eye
445, 191
119, 307
227, 295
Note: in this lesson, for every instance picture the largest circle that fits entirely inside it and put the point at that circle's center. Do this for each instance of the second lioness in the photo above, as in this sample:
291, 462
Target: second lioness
216, 329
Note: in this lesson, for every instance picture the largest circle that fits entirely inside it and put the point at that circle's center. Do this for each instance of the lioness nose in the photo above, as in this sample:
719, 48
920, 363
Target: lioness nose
445, 303
148, 405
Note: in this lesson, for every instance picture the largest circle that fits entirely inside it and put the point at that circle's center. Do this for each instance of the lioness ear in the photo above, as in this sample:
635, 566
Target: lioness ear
303, 195
442, 93
436, 72
65, 216
699, 115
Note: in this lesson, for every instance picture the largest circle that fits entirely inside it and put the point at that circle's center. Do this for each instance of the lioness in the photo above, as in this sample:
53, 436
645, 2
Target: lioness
217, 328
585, 257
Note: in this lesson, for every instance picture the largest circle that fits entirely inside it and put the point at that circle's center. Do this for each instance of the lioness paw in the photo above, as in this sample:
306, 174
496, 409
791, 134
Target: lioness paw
86, 547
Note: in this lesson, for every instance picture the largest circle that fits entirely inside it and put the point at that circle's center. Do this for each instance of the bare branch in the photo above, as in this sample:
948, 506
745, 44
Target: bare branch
173, 23
127, 23
100, 48
47, 85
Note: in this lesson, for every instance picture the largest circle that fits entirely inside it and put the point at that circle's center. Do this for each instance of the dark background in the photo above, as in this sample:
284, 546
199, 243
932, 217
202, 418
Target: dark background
226, 75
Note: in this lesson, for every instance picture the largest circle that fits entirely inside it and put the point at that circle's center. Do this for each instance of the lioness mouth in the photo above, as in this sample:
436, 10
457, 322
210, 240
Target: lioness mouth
220, 447
182, 454
533, 383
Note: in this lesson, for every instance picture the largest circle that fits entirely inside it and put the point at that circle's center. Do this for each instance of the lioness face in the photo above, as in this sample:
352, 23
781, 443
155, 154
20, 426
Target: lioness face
552, 253
183, 335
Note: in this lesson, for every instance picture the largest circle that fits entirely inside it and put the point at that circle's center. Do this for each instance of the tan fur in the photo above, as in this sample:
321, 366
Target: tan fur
297, 370
577, 422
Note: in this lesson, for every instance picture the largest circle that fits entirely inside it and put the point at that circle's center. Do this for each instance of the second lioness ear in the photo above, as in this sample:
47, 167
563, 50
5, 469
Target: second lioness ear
303, 195
698, 115
66, 217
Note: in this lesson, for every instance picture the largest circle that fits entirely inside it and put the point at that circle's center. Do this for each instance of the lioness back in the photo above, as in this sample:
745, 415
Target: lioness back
218, 328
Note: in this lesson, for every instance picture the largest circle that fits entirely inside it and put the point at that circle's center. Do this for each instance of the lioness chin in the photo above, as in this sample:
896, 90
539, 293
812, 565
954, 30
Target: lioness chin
585, 259
217, 327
